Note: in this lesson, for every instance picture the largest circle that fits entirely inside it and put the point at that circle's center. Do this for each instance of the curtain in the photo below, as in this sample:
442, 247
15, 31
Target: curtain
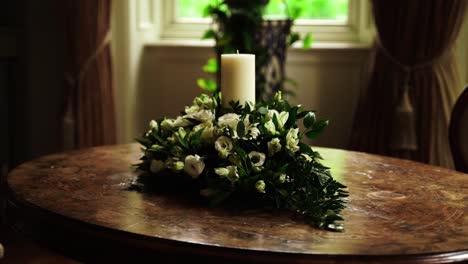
89, 114
404, 111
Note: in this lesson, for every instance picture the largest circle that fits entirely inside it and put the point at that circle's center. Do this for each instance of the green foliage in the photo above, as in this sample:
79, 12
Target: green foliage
310, 9
244, 155
207, 85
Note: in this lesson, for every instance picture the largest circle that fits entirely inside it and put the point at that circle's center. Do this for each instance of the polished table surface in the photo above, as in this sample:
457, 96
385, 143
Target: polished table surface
399, 211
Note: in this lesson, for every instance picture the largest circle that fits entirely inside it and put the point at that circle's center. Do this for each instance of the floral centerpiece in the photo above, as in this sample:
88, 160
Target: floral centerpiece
249, 154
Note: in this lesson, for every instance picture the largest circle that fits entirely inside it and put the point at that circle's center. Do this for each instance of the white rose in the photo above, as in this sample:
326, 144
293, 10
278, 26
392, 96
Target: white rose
229, 120
274, 146
202, 115
260, 186
156, 166
224, 146
208, 133
254, 132
194, 166
292, 140
257, 158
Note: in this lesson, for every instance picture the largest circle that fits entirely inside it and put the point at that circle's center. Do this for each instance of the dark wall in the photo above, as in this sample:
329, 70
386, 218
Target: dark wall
34, 79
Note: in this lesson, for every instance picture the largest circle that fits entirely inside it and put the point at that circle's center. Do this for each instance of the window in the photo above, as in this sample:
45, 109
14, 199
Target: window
327, 20
332, 10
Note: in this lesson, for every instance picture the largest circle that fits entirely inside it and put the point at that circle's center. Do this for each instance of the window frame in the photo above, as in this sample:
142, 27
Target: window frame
357, 28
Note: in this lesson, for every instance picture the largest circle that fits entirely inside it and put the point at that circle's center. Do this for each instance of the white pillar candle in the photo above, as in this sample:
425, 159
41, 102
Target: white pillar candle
237, 78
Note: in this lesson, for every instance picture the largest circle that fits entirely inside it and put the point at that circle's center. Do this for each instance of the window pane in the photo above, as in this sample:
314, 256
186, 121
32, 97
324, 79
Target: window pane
310, 9
192, 8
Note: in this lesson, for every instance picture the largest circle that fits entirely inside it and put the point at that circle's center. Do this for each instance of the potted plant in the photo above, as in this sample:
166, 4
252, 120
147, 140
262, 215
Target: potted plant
239, 25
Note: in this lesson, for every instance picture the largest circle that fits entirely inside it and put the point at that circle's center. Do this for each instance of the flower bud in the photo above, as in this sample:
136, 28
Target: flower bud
194, 166
260, 186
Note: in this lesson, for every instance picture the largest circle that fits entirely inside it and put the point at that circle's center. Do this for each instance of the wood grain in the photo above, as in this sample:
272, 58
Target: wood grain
399, 211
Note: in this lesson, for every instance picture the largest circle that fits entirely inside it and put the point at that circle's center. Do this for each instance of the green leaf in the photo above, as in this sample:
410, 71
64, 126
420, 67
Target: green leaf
293, 38
295, 12
309, 120
209, 34
307, 42
320, 125
207, 84
313, 134
211, 66
240, 129
263, 110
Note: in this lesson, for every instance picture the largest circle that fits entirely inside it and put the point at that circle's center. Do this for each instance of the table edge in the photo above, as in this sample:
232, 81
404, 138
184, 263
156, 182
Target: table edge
20, 212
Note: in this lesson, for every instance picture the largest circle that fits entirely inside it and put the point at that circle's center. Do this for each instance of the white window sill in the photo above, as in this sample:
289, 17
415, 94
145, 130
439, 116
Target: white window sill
296, 47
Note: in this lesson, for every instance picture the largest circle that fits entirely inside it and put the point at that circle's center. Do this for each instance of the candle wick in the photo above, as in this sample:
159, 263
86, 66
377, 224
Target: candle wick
237, 51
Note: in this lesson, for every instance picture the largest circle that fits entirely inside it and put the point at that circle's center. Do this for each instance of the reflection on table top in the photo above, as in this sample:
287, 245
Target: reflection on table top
396, 208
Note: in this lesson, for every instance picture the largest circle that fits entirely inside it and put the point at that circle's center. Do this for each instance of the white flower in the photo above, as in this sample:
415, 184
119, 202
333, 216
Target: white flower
281, 117
194, 166
208, 133
181, 133
274, 146
251, 129
202, 115
224, 146
270, 127
156, 166
192, 109
282, 178
175, 164
260, 186
181, 122
167, 123
292, 140
229, 120
178, 122
254, 132
153, 124
204, 101
270, 114
156, 147
230, 172
222, 171
257, 158
278, 96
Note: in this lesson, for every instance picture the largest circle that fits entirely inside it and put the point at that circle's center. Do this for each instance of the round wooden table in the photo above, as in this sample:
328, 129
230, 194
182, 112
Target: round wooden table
399, 211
